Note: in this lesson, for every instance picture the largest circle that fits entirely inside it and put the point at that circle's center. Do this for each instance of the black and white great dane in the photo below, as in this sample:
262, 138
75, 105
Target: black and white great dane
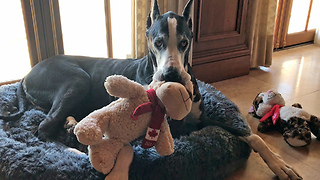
73, 86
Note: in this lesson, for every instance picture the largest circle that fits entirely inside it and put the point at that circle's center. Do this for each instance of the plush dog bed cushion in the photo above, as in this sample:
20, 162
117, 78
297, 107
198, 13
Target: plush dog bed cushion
212, 152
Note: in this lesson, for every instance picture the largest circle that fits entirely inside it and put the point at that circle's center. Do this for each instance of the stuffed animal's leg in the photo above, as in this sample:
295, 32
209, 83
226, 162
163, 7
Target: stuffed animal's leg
121, 167
165, 145
315, 126
102, 155
273, 160
297, 132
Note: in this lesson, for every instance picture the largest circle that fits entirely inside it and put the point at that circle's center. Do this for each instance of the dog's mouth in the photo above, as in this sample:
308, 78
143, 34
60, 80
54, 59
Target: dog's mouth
170, 74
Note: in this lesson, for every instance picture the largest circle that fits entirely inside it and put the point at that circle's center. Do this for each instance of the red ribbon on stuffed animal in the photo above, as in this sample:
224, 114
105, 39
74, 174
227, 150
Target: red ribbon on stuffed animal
274, 113
156, 119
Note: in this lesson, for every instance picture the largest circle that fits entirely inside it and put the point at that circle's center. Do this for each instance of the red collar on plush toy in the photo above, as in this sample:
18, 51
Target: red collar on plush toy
274, 113
156, 119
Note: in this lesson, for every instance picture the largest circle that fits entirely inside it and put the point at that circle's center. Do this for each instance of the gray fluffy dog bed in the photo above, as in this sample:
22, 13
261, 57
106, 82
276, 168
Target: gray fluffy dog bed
209, 151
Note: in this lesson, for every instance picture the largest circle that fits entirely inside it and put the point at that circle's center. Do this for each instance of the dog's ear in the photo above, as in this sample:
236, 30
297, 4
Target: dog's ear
187, 13
196, 93
154, 14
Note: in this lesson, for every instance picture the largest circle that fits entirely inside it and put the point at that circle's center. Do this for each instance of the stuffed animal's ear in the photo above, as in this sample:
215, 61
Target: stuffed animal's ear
255, 104
120, 86
297, 105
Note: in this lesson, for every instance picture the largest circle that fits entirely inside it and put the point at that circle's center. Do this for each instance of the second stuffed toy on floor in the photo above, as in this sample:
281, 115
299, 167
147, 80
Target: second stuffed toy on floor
293, 122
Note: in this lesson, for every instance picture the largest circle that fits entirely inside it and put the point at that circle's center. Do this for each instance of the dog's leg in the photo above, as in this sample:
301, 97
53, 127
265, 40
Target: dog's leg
273, 160
69, 126
74, 150
63, 102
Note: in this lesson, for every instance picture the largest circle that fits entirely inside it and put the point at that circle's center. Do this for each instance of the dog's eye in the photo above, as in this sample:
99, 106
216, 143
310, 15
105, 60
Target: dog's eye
159, 43
183, 44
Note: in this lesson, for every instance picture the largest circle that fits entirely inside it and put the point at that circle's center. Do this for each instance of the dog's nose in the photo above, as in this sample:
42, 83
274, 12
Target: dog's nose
171, 74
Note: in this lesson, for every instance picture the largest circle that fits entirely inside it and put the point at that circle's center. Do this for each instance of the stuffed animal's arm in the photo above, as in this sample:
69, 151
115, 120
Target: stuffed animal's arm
121, 86
90, 130
165, 145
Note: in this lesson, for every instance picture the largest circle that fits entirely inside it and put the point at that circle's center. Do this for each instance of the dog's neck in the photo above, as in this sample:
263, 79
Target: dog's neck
145, 70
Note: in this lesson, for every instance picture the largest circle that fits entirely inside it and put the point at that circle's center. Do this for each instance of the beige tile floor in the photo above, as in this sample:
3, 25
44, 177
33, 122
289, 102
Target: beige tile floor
295, 73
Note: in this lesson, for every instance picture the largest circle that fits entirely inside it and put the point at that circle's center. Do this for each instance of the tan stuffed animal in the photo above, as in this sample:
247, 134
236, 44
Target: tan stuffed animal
113, 127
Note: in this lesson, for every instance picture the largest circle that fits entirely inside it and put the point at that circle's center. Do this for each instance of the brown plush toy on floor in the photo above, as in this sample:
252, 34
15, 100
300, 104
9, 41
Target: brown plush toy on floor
136, 112
293, 122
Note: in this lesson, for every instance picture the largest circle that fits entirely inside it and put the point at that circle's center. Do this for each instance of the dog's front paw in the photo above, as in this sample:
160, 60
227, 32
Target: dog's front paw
70, 124
282, 169
46, 130
273, 160
41, 135
74, 150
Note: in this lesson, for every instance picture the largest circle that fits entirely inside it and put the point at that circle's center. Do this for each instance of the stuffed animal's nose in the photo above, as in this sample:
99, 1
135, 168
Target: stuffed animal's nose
171, 74
270, 91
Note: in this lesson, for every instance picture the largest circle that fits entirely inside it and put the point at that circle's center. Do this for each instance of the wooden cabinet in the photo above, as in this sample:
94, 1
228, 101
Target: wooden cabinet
219, 49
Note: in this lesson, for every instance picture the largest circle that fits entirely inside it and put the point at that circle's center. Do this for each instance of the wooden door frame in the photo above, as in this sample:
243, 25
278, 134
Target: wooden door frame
306, 35
281, 36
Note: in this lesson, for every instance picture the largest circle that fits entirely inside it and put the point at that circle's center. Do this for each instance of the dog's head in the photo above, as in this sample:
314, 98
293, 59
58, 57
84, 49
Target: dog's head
169, 40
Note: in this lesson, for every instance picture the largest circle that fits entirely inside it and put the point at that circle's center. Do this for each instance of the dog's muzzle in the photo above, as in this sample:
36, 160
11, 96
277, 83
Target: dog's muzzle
171, 74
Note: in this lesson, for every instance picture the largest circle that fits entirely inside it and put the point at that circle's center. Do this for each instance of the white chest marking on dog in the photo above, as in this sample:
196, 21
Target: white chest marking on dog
194, 116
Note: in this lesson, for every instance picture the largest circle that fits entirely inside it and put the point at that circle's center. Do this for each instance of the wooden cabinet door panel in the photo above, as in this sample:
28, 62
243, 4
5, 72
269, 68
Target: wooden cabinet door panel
220, 36
219, 18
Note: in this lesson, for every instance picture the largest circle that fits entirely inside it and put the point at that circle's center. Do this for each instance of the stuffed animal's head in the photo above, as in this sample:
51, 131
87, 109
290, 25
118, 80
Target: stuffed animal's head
264, 102
174, 97
272, 98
